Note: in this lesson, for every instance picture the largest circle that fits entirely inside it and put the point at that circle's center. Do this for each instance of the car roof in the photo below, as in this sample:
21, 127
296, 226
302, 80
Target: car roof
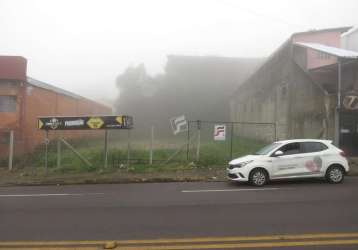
305, 140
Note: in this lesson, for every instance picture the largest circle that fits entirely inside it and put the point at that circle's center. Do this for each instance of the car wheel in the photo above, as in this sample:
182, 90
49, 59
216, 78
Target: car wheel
258, 177
335, 174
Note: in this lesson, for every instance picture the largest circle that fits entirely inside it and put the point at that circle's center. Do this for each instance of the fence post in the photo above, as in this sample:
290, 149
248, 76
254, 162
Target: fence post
105, 148
198, 145
11, 149
188, 142
129, 149
231, 138
58, 153
151, 145
46, 151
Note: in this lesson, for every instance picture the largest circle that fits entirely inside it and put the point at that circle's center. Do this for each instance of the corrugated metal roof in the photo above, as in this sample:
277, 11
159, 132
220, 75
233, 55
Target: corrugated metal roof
338, 52
352, 30
47, 86
312, 31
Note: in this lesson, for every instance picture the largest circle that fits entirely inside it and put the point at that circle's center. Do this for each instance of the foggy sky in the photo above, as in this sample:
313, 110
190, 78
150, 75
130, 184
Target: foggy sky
82, 45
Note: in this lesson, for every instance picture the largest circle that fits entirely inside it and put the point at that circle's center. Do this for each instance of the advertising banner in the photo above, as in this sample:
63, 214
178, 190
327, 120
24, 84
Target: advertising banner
84, 122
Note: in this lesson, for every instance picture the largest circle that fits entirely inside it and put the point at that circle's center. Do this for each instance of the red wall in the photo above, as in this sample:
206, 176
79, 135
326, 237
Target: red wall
33, 102
329, 38
13, 68
10, 120
43, 102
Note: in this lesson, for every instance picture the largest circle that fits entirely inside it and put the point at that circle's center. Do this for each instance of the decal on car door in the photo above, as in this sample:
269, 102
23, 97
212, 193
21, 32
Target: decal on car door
314, 165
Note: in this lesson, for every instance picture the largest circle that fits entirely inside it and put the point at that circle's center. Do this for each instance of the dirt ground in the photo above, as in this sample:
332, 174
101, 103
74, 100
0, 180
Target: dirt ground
19, 177
30, 177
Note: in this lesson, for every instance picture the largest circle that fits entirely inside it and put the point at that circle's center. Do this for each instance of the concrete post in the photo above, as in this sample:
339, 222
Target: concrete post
198, 142
231, 138
46, 151
59, 152
105, 148
129, 148
151, 146
188, 141
11, 149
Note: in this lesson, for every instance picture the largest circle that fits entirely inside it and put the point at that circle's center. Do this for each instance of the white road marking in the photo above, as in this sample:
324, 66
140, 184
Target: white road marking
228, 190
46, 195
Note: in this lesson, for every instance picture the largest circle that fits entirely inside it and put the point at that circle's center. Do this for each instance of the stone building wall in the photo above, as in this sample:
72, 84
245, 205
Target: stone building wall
282, 93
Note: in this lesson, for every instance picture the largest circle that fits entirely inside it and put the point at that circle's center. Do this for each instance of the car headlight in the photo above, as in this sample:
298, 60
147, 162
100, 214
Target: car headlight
241, 164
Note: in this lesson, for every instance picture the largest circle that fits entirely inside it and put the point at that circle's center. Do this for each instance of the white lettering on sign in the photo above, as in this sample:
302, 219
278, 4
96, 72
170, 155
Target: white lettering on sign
345, 131
74, 123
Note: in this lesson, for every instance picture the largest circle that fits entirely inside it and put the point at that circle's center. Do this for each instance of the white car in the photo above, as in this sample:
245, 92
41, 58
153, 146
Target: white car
291, 159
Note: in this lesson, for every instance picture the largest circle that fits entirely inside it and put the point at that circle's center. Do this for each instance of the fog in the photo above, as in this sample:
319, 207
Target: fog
84, 45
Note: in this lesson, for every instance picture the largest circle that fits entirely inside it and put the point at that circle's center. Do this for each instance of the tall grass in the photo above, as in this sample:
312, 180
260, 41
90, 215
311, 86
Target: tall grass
212, 153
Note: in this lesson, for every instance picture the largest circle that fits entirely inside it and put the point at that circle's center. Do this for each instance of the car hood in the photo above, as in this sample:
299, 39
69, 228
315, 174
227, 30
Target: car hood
244, 158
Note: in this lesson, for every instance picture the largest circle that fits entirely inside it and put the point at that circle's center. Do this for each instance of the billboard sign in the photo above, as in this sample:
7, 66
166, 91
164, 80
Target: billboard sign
219, 132
84, 122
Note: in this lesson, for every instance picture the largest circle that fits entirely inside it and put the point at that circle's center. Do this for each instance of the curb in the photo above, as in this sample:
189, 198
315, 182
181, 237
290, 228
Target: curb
108, 181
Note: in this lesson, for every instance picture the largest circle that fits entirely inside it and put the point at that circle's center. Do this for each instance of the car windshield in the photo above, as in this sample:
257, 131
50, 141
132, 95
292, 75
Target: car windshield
265, 150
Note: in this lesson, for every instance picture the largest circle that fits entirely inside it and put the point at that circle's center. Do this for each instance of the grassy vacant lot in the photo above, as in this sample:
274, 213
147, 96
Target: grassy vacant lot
212, 155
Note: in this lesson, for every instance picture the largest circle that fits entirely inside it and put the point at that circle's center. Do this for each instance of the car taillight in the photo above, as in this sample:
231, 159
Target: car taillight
342, 153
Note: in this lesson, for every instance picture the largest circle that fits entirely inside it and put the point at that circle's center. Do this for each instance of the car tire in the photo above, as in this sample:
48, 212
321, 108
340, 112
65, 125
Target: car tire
335, 174
258, 177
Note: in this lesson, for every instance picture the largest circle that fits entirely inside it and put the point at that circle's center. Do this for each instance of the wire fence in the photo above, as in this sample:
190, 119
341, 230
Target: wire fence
197, 145
239, 138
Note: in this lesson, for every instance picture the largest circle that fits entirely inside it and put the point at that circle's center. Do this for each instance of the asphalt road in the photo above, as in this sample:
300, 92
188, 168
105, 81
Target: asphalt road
179, 210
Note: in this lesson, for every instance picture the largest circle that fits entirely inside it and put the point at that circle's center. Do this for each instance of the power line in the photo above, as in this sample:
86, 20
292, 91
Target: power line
261, 15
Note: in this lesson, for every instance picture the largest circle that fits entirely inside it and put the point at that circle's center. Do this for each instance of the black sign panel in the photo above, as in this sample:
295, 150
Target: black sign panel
85, 122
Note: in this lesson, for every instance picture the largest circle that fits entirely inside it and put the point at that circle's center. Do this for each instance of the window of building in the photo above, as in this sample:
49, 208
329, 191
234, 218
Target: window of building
7, 103
4, 138
323, 56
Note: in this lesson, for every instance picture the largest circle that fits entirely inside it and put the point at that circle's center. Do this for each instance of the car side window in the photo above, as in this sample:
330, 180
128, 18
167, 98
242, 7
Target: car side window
311, 147
290, 149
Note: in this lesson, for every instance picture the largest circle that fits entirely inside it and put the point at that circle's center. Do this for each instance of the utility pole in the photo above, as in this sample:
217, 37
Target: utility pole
339, 97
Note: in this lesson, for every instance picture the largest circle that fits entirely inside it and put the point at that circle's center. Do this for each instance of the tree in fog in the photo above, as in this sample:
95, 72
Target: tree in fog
197, 87
137, 93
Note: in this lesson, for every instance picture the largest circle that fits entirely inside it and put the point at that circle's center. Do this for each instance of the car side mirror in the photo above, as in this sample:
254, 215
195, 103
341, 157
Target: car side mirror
278, 153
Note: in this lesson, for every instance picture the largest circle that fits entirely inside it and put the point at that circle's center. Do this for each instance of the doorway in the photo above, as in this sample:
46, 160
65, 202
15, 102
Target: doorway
349, 133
